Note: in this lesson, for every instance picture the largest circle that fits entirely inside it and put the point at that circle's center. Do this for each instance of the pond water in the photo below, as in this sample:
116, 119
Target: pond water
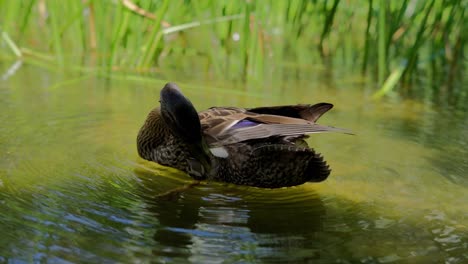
72, 188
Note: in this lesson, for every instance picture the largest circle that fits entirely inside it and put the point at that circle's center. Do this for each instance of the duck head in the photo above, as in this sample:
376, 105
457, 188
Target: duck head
182, 119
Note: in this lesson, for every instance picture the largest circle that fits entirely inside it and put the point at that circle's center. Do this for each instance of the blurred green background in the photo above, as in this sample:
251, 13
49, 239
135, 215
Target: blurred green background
411, 46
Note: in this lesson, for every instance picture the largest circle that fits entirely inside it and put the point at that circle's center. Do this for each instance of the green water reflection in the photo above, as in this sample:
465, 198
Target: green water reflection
72, 187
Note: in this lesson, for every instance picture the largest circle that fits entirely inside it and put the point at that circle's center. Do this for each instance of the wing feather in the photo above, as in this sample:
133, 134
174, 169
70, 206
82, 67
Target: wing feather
274, 130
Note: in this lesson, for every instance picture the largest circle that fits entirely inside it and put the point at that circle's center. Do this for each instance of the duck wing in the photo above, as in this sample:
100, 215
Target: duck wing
228, 125
304, 111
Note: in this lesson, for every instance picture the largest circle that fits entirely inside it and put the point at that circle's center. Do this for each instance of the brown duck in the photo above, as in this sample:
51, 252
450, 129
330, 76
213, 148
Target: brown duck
262, 147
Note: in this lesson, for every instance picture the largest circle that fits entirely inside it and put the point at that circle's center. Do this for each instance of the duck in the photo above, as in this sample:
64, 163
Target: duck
261, 147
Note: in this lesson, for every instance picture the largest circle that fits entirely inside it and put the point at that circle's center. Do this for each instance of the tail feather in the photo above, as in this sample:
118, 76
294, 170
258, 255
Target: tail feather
318, 168
314, 112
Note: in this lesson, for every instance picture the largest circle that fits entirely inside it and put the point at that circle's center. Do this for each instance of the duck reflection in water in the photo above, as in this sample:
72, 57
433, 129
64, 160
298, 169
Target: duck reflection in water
212, 221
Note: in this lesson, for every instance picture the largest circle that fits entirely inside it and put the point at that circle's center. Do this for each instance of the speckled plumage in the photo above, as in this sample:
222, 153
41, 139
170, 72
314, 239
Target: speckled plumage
265, 146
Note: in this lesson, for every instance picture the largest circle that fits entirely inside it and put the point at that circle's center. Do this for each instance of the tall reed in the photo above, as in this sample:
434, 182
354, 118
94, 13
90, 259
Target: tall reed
244, 40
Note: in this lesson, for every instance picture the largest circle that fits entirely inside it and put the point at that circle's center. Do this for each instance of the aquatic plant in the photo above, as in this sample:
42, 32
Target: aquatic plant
399, 42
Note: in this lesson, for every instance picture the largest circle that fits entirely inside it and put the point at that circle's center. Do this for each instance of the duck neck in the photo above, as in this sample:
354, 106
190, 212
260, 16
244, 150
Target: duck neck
152, 134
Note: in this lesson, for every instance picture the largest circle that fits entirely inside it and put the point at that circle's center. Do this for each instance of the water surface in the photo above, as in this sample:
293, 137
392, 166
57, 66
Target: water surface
72, 188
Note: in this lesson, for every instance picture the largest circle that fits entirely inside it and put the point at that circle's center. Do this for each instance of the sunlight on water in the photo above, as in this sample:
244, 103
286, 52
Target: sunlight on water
73, 189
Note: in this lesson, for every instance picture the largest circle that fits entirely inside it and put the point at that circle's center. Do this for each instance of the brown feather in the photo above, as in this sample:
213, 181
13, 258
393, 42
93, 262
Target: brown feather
305, 111
297, 120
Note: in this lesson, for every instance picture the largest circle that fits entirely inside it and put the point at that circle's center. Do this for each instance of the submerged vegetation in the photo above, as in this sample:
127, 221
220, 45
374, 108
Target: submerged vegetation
399, 42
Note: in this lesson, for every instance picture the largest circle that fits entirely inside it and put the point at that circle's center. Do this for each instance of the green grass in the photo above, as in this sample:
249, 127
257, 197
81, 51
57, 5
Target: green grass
246, 40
